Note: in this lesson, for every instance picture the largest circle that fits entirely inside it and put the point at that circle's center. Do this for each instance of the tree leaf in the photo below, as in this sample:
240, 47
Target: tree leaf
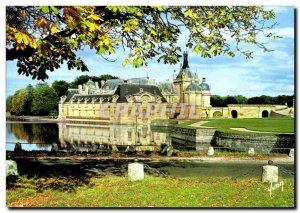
54, 9
44, 9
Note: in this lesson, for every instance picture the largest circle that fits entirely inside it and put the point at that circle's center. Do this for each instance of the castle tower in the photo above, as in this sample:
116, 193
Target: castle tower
184, 78
205, 93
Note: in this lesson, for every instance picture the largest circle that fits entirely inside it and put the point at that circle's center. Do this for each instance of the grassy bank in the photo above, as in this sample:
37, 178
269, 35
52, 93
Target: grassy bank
274, 125
151, 192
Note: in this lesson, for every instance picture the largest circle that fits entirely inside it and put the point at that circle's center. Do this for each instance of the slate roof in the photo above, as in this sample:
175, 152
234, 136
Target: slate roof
193, 87
112, 84
124, 90
185, 69
166, 87
70, 93
138, 80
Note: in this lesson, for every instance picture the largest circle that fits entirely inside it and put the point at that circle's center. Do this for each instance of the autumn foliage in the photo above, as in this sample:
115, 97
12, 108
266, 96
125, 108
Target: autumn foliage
43, 38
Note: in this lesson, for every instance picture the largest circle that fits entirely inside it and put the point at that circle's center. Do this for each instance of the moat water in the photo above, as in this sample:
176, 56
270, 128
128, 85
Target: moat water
39, 136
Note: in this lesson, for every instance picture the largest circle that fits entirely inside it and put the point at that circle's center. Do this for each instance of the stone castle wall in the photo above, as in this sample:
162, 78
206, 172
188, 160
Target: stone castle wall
192, 139
201, 139
260, 143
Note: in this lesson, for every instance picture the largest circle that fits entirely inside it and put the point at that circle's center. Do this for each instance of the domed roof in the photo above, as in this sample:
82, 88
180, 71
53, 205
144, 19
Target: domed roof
90, 84
193, 87
166, 87
204, 85
112, 84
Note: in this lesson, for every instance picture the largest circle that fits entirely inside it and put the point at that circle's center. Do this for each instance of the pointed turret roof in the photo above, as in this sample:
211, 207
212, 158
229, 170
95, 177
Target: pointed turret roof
185, 69
185, 61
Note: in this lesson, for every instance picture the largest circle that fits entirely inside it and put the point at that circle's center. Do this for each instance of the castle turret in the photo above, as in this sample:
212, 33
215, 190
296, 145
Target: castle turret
184, 78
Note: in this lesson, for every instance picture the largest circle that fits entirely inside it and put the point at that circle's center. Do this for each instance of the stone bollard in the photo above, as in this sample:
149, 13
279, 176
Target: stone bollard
170, 151
11, 168
54, 147
114, 148
18, 147
291, 154
251, 151
210, 151
135, 171
270, 173
129, 149
164, 149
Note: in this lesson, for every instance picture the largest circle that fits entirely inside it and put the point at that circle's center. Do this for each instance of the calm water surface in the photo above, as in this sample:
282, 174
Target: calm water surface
80, 137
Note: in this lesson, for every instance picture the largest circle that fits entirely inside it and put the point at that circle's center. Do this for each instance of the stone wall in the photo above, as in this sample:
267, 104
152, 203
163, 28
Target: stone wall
192, 139
202, 138
264, 144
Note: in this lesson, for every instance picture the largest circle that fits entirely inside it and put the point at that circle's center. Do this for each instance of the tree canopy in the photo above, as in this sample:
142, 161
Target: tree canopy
43, 38
218, 101
80, 80
60, 87
44, 100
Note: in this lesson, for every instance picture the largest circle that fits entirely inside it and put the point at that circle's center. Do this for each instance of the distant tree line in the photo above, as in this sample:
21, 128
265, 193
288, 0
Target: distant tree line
42, 100
219, 101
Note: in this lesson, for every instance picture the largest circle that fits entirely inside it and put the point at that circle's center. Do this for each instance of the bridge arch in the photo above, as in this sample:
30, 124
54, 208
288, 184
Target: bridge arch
265, 114
217, 114
234, 114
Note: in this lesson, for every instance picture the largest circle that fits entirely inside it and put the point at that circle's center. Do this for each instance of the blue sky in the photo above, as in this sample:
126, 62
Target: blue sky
270, 73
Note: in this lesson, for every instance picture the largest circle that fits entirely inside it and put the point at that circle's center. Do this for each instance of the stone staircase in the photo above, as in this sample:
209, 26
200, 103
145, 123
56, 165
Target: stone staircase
283, 112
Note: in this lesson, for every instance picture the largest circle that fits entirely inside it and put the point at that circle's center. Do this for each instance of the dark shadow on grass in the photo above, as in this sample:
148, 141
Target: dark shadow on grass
68, 174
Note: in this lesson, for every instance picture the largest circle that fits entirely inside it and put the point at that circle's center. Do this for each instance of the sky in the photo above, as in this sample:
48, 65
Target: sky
270, 73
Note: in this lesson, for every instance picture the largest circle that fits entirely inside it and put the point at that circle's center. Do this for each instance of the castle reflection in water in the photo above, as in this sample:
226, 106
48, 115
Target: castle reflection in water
117, 137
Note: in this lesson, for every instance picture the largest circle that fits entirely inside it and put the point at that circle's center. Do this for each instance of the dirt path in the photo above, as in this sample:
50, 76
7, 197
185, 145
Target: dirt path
248, 130
199, 124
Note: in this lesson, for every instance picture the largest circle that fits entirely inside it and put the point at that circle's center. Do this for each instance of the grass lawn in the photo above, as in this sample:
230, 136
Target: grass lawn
153, 192
276, 125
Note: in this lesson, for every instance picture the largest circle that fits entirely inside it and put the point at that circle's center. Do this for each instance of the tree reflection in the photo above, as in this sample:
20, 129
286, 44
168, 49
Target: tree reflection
41, 134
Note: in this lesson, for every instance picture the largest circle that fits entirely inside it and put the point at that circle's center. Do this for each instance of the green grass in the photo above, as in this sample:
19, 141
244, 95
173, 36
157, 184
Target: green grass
276, 125
273, 125
157, 192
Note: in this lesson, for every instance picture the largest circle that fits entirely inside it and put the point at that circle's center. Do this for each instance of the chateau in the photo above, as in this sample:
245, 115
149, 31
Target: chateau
142, 100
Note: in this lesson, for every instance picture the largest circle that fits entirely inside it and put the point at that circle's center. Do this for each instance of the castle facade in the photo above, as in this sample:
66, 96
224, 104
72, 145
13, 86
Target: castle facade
138, 100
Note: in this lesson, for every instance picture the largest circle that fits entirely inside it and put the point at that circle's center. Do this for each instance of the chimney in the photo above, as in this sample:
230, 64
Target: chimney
80, 89
102, 83
174, 75
97, 85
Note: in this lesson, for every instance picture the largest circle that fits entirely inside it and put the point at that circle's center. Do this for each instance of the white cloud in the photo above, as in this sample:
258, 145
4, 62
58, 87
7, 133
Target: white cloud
286, 32
278, 9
